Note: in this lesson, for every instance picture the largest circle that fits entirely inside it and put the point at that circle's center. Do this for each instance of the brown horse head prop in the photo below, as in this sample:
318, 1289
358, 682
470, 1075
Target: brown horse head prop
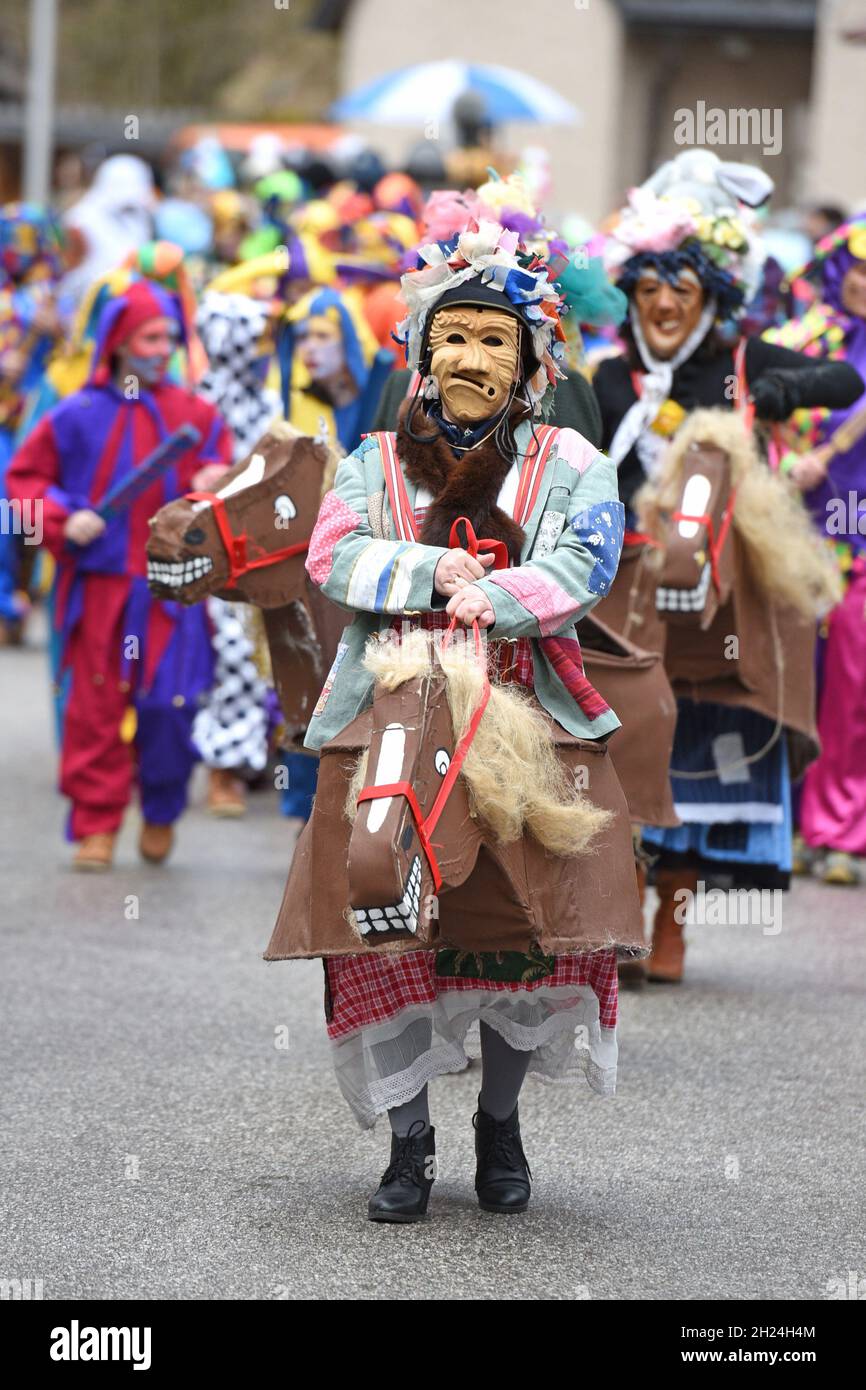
247, 540
697, 570
452, 764
715, 495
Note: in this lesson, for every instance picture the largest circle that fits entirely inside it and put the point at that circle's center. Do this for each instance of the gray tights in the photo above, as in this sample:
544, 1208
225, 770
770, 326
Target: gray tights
502, 1071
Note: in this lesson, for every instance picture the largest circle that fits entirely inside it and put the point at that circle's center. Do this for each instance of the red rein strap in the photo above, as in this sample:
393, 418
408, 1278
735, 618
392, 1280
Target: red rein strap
426, 825
236, 546
715, 542
497, 548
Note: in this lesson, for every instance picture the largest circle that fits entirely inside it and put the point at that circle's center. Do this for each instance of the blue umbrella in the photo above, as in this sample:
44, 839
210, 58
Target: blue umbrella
428, 92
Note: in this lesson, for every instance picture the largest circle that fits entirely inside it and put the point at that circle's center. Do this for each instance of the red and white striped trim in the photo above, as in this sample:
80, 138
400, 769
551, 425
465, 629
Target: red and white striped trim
532, 473
396, 485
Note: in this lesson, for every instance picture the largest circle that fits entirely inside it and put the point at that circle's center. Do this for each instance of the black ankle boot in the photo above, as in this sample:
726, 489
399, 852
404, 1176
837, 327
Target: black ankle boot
502, 1175
404, 1191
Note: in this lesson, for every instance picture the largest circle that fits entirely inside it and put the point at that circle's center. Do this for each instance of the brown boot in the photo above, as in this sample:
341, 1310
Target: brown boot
226, 794
669, 948
155, 842
633, 973
95, 853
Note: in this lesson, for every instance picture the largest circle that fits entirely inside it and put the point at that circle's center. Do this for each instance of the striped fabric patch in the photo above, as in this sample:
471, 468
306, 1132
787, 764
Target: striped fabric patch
382, 576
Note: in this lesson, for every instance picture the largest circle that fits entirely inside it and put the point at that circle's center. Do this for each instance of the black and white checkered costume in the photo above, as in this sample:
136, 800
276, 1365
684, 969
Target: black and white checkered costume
231, 730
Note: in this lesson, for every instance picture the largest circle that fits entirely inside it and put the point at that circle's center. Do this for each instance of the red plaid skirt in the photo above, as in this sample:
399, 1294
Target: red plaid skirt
364, 990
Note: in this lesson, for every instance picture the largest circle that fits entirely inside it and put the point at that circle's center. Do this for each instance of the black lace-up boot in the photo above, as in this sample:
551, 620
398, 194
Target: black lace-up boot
404, 1191
502, 1174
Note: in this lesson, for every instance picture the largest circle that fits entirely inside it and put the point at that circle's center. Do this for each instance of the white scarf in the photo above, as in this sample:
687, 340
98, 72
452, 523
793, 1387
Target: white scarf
634, 426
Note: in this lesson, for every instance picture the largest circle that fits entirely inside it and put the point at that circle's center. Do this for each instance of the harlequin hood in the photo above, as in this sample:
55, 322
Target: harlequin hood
123, 315
359, 345
834, 256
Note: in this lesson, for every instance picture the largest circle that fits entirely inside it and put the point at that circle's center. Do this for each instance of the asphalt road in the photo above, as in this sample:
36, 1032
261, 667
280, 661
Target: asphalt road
156, 1142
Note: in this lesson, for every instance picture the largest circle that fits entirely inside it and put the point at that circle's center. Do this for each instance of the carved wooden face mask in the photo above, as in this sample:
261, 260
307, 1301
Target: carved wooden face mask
474, 356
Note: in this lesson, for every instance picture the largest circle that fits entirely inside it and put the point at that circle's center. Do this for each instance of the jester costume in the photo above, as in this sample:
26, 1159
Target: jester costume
686, 252
833, 803
544, 500
135, 666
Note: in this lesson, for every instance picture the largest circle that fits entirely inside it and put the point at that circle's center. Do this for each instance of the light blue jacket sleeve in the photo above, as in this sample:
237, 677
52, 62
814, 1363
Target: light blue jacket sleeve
354, 568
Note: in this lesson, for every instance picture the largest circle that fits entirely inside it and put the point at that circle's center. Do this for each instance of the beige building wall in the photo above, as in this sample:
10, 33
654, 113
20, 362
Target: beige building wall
575, 48
836, 166
629, 85
665, 74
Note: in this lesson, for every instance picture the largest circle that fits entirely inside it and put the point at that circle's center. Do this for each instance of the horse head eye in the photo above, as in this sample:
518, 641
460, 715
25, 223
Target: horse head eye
285, 507
442, 761
194, 536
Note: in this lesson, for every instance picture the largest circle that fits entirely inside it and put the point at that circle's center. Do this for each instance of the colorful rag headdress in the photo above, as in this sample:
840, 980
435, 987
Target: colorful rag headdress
693, 213
487, 262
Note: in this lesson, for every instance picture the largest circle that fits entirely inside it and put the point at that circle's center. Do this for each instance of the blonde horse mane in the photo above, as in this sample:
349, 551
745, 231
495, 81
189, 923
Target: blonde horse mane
789, 560
285, 431
514, 777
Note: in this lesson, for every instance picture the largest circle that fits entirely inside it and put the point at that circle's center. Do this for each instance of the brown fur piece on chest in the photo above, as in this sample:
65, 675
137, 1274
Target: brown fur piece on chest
464, 486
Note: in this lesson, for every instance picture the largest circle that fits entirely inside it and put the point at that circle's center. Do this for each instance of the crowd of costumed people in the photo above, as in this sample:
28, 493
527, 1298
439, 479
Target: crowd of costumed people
640, 440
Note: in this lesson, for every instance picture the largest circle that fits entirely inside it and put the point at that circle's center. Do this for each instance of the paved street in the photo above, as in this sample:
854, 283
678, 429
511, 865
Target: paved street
157, 1143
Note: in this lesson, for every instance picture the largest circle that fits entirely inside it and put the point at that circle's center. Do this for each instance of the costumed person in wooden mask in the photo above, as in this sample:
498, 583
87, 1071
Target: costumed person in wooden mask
136, 665
686, 253
483, 332
828, 463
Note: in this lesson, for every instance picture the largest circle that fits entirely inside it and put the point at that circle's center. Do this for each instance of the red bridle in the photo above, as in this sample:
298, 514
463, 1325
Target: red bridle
425, 825
236, 547
714, 542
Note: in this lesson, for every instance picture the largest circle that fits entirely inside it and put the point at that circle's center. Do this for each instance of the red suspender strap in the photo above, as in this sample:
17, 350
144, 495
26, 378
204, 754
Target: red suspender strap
741, 400
532, 473
394, 481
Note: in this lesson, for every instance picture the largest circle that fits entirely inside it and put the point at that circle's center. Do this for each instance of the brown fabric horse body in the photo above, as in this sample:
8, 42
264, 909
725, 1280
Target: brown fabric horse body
463, 886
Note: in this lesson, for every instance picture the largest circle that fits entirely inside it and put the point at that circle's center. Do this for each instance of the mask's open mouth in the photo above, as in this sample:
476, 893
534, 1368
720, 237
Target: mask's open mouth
176, 574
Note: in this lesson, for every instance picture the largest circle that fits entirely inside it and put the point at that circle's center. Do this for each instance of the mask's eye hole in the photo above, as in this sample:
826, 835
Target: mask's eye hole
455, 338
442, 761
194, 536
492, 342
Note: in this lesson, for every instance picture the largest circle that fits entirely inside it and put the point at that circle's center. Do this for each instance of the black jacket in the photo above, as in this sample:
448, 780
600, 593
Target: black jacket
788, 379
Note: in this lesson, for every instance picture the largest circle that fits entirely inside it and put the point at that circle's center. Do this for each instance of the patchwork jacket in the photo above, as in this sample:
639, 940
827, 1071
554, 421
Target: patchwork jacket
574, 525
